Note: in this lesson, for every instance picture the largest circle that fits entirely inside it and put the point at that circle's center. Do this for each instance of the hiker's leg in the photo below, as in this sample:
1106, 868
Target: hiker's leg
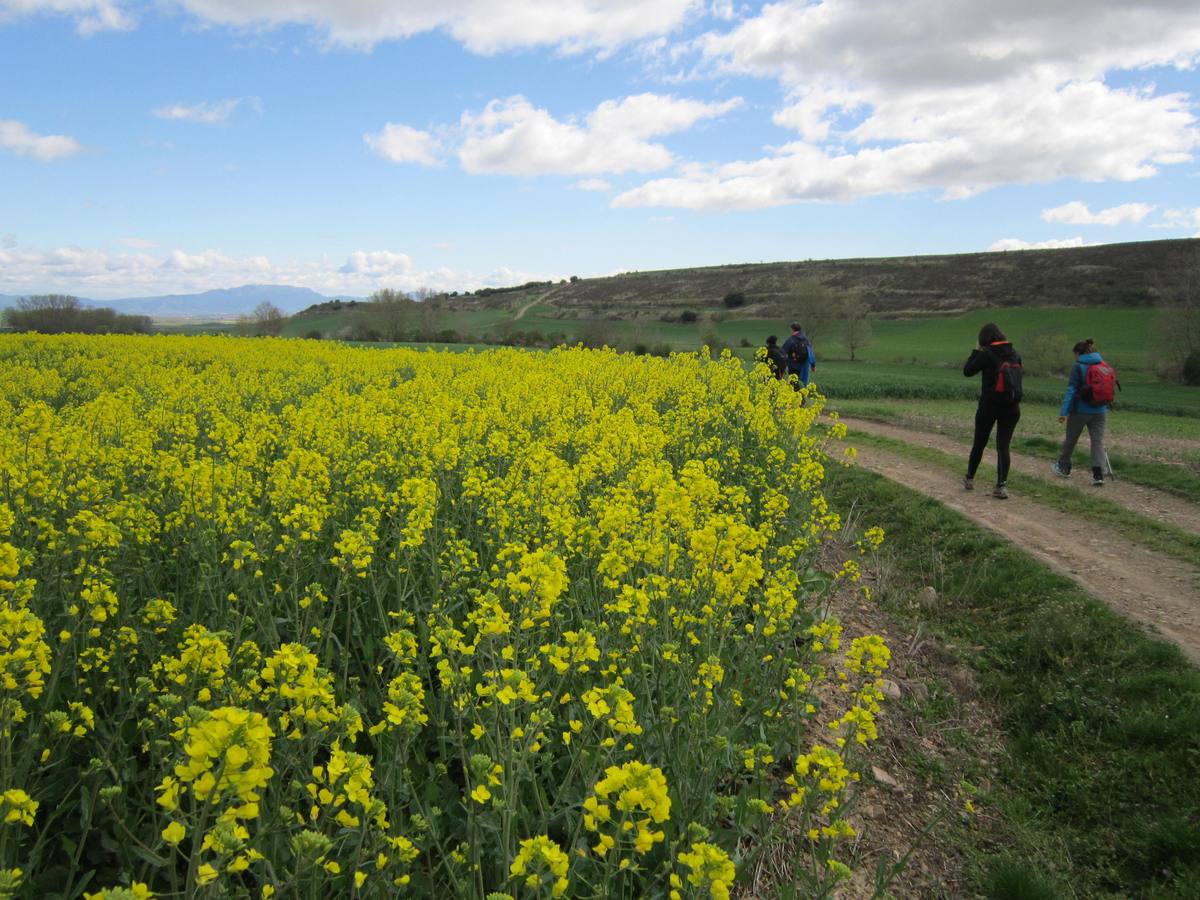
985, 418
1096, 435
1075, 423
1006, 424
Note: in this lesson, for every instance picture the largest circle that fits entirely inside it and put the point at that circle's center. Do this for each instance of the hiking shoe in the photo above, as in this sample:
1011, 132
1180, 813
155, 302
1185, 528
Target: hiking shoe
968, 483
1097, 482
1001, 492
1058, 470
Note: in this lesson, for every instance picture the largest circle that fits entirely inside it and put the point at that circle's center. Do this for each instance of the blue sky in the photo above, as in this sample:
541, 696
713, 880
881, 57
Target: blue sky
349, 145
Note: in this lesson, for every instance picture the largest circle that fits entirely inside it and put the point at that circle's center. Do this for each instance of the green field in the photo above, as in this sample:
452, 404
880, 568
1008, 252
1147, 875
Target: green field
1124, 334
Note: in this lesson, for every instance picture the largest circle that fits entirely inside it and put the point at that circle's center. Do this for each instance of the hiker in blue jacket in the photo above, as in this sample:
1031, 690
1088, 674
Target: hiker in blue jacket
1085, 405
802, 360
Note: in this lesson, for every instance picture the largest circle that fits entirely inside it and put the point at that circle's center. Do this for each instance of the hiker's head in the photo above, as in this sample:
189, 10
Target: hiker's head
1087, 345
796, 327
772, 340
990, 334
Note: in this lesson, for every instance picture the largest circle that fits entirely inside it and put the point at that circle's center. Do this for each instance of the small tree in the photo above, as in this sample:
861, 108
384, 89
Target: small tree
429, 310
734, 299
1177, 329
688, 315
812, 305
388, 315
595, 333
857, 331
268, 319
1191, 369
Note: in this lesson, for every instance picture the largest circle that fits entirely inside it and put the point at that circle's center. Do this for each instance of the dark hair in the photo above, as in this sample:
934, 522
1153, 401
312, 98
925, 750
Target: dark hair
796, 327
1087, 345
772, 340
990, 333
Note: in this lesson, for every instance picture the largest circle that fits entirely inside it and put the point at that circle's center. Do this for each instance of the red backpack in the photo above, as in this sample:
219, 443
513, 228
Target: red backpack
1099, 386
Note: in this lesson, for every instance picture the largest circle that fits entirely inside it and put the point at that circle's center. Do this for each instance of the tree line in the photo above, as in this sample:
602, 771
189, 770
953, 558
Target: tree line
62, 314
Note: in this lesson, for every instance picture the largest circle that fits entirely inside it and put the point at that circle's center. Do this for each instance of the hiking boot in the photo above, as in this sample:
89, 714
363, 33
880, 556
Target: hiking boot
1001, 492
1058, 470
1098, 481
968, 483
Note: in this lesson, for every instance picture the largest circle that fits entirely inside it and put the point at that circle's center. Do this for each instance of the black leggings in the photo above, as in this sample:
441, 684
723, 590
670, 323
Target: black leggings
1005, 419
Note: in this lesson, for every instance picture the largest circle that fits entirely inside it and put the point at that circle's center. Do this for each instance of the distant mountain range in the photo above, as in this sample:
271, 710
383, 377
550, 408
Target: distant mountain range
221, 303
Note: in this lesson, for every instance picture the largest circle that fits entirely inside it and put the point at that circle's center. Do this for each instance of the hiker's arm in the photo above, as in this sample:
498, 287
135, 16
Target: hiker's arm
1069, 395
974, 363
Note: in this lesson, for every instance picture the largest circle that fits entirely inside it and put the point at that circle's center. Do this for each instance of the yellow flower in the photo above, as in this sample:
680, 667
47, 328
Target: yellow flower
174, 833
541, 861
710, 867
17, 806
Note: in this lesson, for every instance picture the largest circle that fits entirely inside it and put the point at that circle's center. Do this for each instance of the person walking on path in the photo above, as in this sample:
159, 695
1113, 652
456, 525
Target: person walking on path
801, 359
776, 358
999, 403
1085, 404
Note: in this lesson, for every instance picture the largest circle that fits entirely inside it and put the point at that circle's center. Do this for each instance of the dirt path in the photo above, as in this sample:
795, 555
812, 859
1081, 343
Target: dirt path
1144, 586
1146, 501
540, 298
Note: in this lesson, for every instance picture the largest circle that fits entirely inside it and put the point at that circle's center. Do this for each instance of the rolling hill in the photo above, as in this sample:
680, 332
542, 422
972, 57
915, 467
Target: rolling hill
1109, 275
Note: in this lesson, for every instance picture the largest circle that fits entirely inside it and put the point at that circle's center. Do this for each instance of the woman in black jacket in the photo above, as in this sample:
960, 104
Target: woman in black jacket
1000, 366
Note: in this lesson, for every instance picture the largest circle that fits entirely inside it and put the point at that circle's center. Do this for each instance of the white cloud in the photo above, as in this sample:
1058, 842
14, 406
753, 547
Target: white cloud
1180, 219
89, 272
1185, 218
90, 16
402, 144
513, 137
484, 26
591, 184
1077, 213
377, 264
8, 241
206, 113
949, 95
1018, 244
722, 9
17, 137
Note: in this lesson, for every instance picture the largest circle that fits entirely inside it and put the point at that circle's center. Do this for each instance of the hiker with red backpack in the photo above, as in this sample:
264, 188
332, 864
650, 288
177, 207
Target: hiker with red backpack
999, 403
1090, 389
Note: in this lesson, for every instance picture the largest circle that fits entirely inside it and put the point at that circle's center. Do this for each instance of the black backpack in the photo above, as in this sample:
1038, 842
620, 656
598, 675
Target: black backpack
777, 359
1008, 387
799, 352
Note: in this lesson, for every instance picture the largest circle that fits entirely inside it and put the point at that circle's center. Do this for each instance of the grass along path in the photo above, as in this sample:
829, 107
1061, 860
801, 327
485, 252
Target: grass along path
1154, 504
1146, 586
1097, 783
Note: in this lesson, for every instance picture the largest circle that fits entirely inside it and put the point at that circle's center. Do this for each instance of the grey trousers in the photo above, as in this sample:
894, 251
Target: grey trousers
1076, 422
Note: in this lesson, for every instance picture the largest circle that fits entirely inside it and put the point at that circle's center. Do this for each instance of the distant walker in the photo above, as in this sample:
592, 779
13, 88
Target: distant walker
801, 360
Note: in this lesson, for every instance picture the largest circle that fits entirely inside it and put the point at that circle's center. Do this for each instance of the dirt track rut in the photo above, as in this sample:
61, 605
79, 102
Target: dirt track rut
1144, 586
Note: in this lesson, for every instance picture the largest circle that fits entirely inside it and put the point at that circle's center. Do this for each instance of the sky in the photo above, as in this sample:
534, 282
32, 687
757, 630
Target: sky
350, 145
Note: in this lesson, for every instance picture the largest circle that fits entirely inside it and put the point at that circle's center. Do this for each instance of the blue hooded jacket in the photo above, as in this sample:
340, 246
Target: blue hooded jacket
1071, 402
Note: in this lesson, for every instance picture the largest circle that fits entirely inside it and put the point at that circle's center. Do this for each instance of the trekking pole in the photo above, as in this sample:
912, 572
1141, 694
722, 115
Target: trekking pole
1108, 467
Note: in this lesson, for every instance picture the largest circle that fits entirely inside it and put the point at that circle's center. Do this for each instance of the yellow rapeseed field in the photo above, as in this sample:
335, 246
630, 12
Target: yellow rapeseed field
283, 618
